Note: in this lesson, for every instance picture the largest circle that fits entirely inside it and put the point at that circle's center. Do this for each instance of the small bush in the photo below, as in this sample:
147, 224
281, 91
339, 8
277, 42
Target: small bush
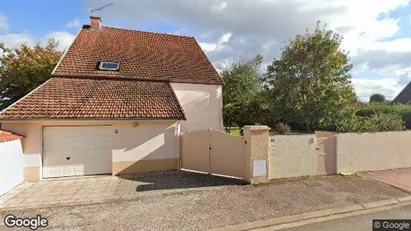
385, 122
282, 128
404, 110
350, 121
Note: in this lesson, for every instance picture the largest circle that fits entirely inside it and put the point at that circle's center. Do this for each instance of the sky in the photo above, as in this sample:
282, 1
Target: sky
377, 34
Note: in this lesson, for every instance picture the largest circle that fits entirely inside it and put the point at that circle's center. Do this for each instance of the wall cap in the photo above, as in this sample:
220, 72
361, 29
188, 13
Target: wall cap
256, 127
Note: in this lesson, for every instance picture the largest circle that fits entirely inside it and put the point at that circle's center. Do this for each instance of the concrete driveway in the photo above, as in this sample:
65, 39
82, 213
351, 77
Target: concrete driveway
216, 208
83, 190
400, 178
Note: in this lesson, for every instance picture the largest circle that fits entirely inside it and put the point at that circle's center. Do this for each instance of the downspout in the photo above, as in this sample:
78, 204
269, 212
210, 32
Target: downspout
178, 147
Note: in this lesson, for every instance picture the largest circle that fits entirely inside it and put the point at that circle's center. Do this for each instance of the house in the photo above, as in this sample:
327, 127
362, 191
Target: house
404, 96
116, 103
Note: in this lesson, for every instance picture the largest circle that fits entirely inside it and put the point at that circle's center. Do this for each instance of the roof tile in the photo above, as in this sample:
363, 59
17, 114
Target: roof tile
142, 56
6, 136
80, 98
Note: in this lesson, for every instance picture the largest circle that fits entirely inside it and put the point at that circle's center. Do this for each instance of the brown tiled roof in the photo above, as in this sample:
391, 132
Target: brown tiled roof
80, 98
6, 136
142, 55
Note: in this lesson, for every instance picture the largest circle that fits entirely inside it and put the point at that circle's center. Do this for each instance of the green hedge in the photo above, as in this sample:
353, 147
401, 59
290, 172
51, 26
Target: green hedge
404, 110
349, 121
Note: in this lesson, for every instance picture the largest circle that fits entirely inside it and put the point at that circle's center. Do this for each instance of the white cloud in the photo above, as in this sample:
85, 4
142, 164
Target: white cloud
219, 6
210, 47
4, 26
16, 40
64, 38
74, 24
388, 86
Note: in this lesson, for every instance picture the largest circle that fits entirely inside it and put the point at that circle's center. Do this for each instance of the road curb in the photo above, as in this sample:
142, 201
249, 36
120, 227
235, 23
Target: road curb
315, 214
404, 199
376, 204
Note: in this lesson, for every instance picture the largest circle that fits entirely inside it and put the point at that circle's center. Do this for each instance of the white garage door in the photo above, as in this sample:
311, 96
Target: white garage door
76, 151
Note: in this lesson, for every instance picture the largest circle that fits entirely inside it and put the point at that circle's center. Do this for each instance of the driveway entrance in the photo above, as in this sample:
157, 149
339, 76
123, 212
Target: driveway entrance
94, 189
400, 178
213, 152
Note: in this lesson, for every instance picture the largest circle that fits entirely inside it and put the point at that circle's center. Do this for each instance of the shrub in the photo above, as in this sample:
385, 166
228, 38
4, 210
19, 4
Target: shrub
404, 110
282, 128
385, 122
350, 121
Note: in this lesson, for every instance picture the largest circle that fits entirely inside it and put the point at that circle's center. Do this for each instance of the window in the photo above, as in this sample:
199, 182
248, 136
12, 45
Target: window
109, 65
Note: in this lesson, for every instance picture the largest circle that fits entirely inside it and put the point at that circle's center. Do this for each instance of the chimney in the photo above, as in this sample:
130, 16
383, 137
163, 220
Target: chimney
95, 22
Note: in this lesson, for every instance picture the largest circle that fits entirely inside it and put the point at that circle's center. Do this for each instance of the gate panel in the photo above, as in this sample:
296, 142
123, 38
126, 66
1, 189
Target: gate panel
195, 151
227, 154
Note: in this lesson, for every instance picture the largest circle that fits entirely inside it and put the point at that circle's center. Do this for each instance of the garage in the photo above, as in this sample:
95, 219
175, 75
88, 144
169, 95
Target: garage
76, 150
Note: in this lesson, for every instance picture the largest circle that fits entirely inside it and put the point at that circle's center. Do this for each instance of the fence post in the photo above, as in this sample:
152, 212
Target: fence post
257, 143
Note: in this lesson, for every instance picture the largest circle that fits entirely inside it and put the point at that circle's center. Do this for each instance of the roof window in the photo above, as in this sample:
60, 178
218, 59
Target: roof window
109, 65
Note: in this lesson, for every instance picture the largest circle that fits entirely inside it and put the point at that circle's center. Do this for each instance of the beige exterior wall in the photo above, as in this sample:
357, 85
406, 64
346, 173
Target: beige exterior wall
326, 153
292, 156
202, 105
358, 152
149, 140
257, 163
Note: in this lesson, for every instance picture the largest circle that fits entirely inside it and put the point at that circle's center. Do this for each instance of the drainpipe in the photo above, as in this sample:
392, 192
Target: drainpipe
178, 147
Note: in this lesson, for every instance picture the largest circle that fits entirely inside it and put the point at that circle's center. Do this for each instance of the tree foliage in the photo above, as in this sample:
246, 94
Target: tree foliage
242, 85
311, 80
25, 68
349, 120
377, 98
242, 80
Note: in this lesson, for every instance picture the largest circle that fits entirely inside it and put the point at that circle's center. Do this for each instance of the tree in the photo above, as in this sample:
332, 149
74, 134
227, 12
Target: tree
311, 81
242, 83
377, 98
25, 68
242, 80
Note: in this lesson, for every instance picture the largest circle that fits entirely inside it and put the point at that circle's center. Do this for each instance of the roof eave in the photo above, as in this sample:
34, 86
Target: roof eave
123, 77
2, 120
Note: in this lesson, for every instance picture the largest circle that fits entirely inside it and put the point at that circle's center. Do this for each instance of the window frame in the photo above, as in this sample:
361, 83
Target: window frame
100, 66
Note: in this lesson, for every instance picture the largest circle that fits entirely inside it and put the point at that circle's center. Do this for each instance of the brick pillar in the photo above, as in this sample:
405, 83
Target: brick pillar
256, 153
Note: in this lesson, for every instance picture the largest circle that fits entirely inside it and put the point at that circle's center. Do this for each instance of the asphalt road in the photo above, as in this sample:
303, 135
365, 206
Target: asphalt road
358, 223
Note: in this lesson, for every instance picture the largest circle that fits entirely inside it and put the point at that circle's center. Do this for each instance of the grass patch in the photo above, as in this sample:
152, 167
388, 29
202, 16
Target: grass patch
235, 131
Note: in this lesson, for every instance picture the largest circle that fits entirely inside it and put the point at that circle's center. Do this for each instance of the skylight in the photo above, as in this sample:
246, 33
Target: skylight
109, 65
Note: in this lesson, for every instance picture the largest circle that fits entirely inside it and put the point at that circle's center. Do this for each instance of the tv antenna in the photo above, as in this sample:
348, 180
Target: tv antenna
100, 8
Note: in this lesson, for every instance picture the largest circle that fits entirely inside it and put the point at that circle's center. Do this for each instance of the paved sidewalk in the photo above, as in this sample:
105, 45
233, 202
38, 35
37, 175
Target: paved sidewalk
400, 178
220, 207
94, 189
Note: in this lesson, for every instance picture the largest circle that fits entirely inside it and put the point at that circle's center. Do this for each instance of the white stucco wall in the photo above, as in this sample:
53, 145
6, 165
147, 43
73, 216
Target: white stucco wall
292, 156
358, 152
11, 165
147, 141
202, 105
